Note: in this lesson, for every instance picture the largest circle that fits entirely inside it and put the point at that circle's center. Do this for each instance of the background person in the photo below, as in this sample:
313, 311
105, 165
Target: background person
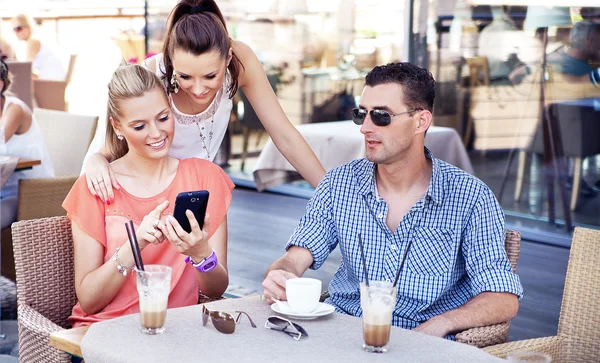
202, 69
139, 133
20, 136
46, 61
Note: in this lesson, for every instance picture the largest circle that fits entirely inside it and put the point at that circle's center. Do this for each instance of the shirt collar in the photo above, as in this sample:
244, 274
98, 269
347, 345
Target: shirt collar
365, 178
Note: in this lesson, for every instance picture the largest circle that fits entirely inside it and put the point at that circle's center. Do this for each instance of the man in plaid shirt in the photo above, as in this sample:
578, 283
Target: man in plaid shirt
457, 274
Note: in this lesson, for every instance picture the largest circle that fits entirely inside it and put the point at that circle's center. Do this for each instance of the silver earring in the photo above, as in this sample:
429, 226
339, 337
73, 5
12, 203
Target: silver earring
174, 83
120, 137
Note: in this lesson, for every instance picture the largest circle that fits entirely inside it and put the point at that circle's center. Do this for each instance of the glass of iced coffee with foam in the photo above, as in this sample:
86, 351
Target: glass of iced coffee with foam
377, 301
153, 285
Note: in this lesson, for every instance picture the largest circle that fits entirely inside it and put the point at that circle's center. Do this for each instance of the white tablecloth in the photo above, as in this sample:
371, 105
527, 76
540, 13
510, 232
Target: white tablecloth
334, 338
337, 143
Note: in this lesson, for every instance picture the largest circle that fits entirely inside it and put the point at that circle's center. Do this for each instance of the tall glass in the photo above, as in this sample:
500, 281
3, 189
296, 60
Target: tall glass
153, 285
377, 301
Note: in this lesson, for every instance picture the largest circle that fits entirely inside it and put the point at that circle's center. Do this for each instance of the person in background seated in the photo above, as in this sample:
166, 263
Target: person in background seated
139, 133
20, 136
457, 274
574, 63
497, 42
46, 61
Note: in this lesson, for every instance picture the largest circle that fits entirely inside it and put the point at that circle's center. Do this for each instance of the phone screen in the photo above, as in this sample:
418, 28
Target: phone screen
196, 201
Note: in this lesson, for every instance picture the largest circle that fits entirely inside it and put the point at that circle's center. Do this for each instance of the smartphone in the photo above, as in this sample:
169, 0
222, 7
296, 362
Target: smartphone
197, 202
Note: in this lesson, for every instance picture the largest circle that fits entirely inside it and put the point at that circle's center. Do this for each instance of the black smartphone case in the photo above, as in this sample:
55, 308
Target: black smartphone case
197, 202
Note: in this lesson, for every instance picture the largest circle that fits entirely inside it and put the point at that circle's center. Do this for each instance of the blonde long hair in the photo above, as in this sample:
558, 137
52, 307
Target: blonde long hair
127, 82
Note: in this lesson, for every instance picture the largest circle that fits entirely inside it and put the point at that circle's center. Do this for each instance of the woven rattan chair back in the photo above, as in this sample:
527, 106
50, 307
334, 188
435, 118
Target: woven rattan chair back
43, 197
44, 265
579, 324
512, 243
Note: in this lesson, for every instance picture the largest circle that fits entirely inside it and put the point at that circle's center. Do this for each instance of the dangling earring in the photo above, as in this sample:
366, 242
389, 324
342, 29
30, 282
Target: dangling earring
174, 83
120, 137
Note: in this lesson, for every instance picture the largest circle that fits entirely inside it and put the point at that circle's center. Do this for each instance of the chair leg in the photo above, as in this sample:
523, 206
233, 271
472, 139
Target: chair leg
246, 132
468, 131
576, 182
258, 137
520, 175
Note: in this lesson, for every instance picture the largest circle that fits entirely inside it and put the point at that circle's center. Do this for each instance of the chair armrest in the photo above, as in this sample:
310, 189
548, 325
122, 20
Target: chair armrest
34, 337
35, 322
485, 335
547, 345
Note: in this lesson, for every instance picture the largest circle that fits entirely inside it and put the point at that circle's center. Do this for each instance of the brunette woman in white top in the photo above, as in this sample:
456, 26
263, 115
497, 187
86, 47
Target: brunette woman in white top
202, 69
19, 136
46, 61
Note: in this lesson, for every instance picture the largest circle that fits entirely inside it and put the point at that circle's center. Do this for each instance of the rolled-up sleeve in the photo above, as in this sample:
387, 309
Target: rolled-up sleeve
317, 231
485, 255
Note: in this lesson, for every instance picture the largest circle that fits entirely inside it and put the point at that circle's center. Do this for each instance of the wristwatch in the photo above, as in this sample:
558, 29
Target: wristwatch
206, 264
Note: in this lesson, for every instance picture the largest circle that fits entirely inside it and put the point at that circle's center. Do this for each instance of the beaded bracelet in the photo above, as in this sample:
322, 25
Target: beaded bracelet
121, 267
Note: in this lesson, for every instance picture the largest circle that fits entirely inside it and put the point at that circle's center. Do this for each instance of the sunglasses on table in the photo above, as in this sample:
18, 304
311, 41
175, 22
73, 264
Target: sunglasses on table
289, 327
223, 322
379, 117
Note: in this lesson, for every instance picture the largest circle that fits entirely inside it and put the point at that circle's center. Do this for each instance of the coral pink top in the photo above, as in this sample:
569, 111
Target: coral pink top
106, 224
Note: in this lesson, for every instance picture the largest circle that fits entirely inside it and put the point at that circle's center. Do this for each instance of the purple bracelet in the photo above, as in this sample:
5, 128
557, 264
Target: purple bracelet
206, 264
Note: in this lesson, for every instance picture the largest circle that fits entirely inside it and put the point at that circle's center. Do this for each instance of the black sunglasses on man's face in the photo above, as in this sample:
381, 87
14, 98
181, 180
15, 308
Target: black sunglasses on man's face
379, 117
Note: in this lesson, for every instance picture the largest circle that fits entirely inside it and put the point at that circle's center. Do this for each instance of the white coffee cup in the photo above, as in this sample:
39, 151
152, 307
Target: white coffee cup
303, 294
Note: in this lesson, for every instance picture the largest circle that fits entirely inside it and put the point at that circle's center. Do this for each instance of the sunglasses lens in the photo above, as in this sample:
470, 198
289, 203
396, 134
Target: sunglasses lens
18, 28
225, 325
358, 115
278, 322
380, 117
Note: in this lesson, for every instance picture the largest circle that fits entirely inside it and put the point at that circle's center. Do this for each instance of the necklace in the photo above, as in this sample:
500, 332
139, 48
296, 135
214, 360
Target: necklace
203, 137
138, 179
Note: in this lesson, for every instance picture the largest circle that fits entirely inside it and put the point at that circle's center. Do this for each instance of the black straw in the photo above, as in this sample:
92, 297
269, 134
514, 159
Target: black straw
362, 255
137, 246
402, 263
135, 259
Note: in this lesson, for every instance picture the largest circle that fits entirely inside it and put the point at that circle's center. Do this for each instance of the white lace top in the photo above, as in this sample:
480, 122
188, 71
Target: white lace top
197, 135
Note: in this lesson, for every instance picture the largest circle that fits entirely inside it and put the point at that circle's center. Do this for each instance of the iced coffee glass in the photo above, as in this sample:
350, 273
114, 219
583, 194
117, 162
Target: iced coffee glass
377, 301
153, 285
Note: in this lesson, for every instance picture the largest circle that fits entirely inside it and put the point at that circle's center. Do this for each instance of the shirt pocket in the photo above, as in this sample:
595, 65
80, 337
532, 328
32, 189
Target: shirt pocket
432, 251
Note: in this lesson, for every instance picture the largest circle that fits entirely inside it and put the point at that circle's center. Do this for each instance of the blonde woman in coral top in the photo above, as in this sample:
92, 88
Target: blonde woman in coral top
139, 133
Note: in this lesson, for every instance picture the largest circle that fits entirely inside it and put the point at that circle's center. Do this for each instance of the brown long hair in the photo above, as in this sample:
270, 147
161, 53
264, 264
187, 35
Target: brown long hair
127, 82
197, 27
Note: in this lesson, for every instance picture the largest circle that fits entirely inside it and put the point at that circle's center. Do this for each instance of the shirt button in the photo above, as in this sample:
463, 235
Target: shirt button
380, 215
393, 247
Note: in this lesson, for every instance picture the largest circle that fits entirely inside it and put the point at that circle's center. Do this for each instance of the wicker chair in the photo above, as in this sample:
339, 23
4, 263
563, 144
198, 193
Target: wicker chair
43, 250
492, 334
578, 338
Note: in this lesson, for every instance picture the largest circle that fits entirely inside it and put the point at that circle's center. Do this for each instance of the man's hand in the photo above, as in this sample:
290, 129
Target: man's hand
437, 326
274, 285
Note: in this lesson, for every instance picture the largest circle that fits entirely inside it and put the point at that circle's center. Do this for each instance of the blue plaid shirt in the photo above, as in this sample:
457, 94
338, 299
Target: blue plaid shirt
457, 230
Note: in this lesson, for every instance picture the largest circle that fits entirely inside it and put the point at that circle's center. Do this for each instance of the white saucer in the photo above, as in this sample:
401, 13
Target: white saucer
321, 310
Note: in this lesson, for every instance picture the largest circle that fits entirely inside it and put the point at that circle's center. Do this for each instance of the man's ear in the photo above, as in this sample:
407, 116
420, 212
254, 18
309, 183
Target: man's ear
424, 121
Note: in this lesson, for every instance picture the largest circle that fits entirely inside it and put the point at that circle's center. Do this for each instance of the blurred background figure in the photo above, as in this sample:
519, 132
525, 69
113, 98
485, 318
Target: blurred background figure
47, 62
498, 44
19, 136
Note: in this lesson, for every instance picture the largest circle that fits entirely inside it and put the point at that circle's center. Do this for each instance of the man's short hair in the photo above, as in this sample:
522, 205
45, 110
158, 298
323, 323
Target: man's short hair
581, 31
417, 83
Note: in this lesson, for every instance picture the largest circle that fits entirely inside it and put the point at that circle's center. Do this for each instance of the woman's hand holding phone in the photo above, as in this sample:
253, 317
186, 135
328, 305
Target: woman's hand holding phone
150, 230
193, 244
